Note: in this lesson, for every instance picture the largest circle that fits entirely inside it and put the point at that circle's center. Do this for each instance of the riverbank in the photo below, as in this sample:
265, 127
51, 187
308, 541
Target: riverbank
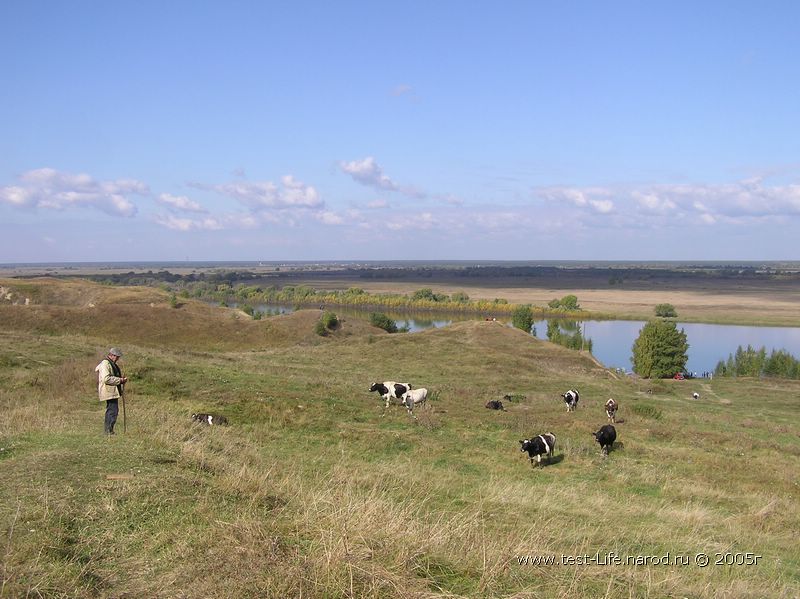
742, 304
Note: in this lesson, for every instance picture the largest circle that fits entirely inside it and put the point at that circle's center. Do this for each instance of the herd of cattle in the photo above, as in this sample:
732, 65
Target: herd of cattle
536, 446
545, 443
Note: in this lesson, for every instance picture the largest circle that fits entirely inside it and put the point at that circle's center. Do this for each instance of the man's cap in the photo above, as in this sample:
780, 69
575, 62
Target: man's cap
115, 352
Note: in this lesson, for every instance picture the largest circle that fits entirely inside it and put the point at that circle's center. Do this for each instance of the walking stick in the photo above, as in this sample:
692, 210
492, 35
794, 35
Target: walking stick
124, 417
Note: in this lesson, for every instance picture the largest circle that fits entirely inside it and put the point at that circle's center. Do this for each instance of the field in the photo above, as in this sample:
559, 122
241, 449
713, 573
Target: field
748, 294
314, 491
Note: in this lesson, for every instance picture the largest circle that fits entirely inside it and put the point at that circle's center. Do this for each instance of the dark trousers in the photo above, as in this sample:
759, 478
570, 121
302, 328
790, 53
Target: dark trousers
112, 410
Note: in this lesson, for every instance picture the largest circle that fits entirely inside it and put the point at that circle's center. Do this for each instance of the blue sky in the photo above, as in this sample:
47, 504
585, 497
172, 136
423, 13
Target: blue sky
415, 130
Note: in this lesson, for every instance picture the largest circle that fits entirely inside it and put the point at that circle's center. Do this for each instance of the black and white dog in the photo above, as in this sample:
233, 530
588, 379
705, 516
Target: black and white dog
605, 437
538, 446
210, 419
571, 398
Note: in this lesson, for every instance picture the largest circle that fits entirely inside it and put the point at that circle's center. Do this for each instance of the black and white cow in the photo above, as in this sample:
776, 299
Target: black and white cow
210, 419
571, 398
611, 409
538, 446
414, 397
605, 437
390, 390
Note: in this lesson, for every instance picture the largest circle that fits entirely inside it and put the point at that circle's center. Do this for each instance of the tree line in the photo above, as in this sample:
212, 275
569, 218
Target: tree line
757, 363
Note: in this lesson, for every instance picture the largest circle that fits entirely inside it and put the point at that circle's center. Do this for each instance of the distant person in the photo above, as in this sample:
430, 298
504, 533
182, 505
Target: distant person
110, 386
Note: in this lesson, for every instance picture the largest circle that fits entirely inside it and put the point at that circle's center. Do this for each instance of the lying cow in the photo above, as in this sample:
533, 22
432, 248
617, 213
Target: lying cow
571, 398
495, 404
210, 419
605, 437
390, 390
611, 409
538, 446
414, 397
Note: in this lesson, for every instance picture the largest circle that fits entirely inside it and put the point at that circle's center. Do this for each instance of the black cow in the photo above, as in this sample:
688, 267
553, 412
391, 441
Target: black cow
389, 390
210, 419
495, 404
539, 446
571, 398
606, 437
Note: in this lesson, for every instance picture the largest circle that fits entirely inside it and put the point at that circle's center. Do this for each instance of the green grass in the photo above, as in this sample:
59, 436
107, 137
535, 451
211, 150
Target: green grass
314, 491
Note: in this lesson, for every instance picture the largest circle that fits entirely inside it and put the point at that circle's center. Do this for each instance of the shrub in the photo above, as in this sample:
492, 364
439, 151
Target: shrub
320, 328
523, 318
568, 302
380, 320
329, 320
666, 311
427, 294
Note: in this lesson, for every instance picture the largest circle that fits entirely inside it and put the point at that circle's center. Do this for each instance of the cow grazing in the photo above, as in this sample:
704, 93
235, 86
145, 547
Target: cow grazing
210, 419
611, 409
495, 404
605, 437
538, 446
571, 398
414, 397
390, 390
695, 395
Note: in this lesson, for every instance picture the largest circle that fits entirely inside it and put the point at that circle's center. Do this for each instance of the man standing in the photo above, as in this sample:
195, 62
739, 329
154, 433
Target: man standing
110, 386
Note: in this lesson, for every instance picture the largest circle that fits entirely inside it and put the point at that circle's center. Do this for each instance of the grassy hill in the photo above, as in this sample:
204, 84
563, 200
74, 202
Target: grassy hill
314, 491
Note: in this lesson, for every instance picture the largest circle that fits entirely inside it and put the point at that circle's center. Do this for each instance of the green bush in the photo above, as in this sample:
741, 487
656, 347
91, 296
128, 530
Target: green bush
666, 311
329, 320
568, 302
320, 329
522, 318
380, 320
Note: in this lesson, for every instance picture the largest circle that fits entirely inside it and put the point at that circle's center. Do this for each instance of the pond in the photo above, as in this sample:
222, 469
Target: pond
612, 340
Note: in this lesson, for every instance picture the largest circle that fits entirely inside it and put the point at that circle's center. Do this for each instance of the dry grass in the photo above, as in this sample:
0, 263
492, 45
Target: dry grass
313, 492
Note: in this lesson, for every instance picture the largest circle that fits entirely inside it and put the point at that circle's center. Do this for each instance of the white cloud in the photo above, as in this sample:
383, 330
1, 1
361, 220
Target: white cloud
266, 195
738, 202
369, 173
595, 199
179, 203
176, 223
377, 204
207, 223
49, 189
